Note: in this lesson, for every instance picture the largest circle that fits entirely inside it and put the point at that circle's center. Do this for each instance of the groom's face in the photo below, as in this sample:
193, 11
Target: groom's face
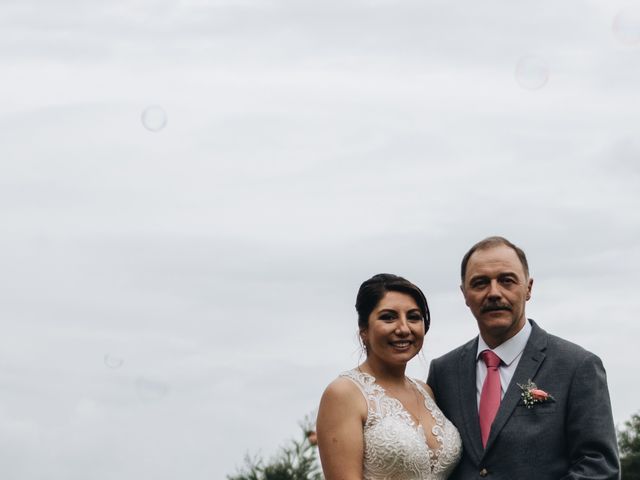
496, 289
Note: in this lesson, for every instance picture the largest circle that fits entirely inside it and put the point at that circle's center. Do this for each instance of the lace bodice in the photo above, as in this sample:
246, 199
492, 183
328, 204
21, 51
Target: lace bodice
395, 448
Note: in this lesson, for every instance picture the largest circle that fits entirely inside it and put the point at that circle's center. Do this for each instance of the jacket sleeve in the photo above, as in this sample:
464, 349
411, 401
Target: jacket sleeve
591, 437
431, 380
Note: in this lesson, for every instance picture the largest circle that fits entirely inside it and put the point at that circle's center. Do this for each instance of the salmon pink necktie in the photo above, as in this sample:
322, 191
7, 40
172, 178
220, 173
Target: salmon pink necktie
490, 396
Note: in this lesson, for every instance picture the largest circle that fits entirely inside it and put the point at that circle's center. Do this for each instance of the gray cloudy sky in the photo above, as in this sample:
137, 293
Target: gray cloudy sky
173, 299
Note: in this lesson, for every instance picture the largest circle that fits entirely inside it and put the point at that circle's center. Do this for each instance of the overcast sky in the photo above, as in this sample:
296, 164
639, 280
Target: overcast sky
192, 192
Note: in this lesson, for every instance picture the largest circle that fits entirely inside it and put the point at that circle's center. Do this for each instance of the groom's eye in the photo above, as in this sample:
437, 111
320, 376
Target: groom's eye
479, 282
507, 279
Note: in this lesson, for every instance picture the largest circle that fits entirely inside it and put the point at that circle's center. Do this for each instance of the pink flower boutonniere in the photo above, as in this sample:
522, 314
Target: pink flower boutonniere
531, 394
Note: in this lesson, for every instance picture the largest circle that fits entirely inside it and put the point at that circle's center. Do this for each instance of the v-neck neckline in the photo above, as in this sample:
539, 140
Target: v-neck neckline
415, 422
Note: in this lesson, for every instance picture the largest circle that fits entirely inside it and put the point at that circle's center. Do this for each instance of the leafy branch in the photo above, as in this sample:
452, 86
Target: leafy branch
295, 461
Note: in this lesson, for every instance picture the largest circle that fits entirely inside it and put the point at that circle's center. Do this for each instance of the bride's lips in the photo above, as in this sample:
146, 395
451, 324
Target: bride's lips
401, 344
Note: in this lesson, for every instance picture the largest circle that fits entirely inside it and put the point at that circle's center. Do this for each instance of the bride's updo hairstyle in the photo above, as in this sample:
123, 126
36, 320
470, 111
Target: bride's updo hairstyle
372, 291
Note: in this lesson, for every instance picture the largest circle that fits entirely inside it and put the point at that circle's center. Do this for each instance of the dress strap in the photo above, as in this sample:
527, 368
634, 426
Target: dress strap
430, 403
420, 388
367, 386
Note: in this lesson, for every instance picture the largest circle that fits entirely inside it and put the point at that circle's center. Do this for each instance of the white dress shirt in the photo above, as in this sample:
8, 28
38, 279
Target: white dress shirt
509, 353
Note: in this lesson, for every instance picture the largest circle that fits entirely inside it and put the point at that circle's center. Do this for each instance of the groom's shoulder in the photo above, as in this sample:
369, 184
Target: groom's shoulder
468, 348
558, 346
562, 344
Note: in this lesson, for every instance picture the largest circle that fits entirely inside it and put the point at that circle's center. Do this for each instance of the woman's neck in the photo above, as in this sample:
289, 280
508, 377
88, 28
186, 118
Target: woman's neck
384, 373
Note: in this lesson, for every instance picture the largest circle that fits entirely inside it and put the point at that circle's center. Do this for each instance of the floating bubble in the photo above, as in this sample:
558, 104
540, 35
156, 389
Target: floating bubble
154, 118
532, 72
626, 25
151, 390
112, 361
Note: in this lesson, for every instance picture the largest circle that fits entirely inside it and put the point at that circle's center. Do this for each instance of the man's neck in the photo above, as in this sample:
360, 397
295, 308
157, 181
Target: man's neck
494, 342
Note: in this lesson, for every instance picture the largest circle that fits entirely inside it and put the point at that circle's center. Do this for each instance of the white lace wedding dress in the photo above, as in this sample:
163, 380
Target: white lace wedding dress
395, 448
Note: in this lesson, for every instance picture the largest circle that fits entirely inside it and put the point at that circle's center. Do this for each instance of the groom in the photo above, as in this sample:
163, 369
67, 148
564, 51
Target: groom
528, 405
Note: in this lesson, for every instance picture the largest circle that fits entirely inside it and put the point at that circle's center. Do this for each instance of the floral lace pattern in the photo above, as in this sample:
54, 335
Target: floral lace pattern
395, 447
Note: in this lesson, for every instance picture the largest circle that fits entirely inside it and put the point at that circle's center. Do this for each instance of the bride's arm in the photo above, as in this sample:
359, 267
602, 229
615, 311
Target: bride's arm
341, 417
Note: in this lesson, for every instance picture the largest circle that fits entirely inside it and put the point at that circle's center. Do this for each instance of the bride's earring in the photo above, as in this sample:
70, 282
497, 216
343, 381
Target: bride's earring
363, 343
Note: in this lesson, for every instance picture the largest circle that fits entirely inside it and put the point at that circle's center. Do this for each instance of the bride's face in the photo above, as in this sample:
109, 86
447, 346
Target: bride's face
396, 329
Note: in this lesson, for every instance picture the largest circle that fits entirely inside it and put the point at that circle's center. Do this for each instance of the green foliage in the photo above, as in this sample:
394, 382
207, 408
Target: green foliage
296, 461
629, 444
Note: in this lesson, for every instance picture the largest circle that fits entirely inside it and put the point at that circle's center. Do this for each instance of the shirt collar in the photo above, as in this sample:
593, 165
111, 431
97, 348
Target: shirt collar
511, 349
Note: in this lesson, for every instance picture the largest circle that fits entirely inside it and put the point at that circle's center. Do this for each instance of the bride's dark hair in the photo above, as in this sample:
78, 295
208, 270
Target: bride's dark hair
371, 292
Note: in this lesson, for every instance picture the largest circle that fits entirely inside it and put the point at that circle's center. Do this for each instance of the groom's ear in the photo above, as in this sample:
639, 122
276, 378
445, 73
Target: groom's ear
529, 285
464, 295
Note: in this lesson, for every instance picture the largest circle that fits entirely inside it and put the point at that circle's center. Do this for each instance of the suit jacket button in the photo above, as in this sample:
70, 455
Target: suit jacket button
484, 472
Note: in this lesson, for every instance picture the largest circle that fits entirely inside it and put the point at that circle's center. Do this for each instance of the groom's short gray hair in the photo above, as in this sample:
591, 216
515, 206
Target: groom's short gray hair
490, 242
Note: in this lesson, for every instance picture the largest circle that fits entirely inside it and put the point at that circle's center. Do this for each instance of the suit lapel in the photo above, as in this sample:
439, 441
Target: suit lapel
532, 357
469, 401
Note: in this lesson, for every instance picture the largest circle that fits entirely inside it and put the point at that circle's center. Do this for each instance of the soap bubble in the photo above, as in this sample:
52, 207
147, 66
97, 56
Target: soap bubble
112, 361
151, 390
626, 25
154, 118
532, 72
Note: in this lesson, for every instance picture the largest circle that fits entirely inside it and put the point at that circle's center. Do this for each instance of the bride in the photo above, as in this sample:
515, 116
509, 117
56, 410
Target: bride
375, 423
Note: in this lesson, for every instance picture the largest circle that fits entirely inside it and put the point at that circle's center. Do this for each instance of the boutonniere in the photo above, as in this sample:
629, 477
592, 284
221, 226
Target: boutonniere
531, 394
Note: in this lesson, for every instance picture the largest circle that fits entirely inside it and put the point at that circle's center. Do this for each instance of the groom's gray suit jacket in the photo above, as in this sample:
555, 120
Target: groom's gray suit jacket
571, 438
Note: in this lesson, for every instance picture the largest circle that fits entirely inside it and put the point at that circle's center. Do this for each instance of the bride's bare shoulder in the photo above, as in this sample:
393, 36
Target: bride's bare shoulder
341, 388
426, 387
343, 395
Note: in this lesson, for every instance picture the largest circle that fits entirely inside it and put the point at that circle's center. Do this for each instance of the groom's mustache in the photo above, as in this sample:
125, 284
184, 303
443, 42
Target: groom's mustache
494, 307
